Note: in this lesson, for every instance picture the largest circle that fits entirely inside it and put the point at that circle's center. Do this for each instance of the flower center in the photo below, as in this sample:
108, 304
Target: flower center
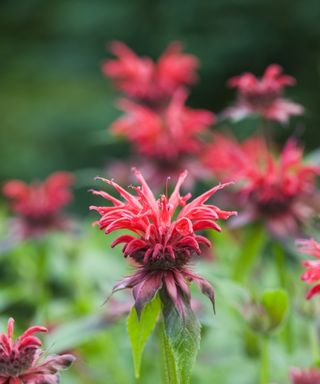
17, 362
261, 98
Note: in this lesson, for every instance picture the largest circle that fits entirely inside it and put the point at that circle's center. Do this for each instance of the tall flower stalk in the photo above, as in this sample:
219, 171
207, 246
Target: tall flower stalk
165, 241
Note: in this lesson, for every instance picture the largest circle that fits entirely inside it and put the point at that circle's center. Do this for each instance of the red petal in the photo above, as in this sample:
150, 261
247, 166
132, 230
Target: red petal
122, 239
313, 291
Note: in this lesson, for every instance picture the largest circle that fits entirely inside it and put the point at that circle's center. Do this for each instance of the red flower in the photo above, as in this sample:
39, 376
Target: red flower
164, 134
312, 273
145, 80
304, 376
21, 361
165, 239
263, 96
38, 205
279, 189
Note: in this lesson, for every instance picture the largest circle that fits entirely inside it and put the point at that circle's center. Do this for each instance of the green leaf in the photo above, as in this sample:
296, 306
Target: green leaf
139, 331
276, 304
183, 335
169, 364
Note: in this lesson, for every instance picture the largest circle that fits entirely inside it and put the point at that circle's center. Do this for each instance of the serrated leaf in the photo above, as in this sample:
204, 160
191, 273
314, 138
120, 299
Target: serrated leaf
276, 304
139, 331
183, 335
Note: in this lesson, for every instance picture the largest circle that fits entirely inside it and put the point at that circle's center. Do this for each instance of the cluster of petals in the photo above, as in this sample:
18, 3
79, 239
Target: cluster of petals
145, 80
38, 205
304, 376
166, 134
263, 96
165, 238
22, 361
280, 189
312, 272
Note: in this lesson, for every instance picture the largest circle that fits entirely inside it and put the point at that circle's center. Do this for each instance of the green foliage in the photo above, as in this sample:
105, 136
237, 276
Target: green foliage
183, 340
276, 305
140, 330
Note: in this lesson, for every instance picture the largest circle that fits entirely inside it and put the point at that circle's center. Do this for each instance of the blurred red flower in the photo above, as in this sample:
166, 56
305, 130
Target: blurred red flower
312, 272
279, 189
166, 239
304, 376
165, 134
263, 96
38, 205
145, 80
21, 360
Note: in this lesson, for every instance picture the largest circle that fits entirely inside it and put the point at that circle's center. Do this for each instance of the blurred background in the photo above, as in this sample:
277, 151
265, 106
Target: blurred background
55, 104
55, 107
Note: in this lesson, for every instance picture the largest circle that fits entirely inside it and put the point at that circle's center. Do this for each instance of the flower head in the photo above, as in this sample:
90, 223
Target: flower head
21, 360
165, 134
146, 80
38, 205
312, 272
304, 376
280, 189
165, 238
263, 96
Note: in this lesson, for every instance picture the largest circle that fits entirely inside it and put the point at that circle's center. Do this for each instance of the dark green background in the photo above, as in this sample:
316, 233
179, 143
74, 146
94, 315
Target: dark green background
55, 104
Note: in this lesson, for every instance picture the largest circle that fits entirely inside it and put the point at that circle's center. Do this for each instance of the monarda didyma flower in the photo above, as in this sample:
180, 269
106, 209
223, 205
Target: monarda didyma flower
165, 134
147, 81
166, 239
38, 205
312, 272
22, 362
279, 189
304, 376
263, 96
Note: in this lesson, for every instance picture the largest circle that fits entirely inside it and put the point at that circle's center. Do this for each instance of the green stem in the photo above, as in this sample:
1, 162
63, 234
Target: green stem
250, 251
314, 342
280, 259
266, 132
169, 366
41, 277
265, 361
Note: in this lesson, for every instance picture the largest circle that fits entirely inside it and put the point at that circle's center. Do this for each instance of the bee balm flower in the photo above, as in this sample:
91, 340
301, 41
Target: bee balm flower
279, 189
165, 239
21, 361
263, 96
312, 272
166, 134
38, 206
304, 376
148, 81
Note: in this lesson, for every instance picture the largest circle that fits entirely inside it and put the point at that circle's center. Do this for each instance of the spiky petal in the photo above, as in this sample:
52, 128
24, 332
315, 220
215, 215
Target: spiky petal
21, 360
163, 240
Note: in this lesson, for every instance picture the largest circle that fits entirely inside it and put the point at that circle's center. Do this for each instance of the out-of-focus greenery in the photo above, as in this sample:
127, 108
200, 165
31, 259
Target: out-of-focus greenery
67, 289
55, 103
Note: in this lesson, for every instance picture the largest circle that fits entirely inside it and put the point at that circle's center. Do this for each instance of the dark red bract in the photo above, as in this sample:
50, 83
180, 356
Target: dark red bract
263, 96
164, 240
21, 361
